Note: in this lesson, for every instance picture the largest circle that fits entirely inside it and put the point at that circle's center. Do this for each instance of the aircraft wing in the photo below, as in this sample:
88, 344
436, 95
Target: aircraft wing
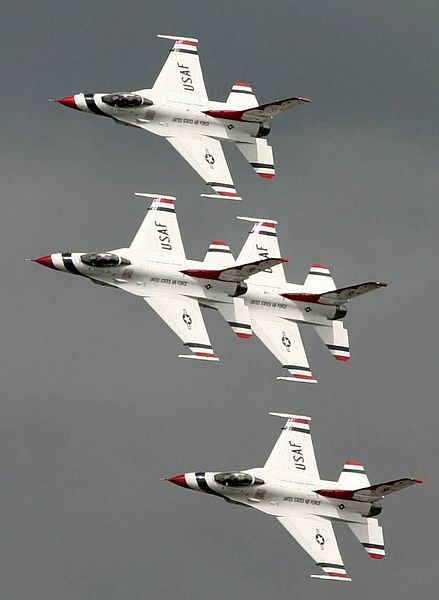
206, 157
316, 536
294, 450
283, 339
262, 242
159, 234
181, 75
183, 316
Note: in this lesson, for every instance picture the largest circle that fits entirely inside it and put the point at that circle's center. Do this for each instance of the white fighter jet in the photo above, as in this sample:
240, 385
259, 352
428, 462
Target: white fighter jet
178, 109
251, 292
289, 487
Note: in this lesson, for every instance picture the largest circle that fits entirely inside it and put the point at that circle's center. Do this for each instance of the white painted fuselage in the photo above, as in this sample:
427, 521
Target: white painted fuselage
145, 278
169, 117
281, 495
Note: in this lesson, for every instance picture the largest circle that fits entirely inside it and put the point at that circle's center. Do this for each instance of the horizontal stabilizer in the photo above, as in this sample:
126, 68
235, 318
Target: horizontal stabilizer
319, 279
237, 273
237, 316
373, 492
353, 476
370, 536
335, 337
241, 96
258, 114
336, 297
260, 156
218, 255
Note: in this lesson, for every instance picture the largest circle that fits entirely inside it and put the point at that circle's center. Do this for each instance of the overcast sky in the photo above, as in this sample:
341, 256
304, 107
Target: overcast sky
96, 407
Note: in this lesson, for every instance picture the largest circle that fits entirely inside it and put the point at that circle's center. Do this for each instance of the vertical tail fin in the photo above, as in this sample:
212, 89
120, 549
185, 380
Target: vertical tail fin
353, 476
370, 536
241, 96
336, 339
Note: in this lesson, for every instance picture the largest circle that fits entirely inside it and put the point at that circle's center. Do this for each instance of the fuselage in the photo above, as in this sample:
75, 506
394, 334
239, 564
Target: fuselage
277, 493
128, 270
166, 116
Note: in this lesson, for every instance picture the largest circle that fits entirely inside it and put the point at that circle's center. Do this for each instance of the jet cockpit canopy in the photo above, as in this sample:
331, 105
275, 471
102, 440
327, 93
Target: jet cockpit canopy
237, 479
108, 259
125, 100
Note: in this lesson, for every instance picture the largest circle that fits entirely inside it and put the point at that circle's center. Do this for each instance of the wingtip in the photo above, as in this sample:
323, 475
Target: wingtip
297, 379
177, 38
220, 197
198, 357
154, 196
257, 220
289, 416
345, 578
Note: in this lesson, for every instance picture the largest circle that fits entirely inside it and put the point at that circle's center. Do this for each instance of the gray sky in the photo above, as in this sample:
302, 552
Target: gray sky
96, 407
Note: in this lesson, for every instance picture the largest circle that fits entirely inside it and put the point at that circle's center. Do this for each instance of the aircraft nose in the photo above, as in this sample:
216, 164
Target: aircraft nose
46, 261
178, 480
68, 101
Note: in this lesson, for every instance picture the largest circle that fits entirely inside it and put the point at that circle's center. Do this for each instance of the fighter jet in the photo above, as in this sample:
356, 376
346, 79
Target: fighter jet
289, 487
251, 292
178, 109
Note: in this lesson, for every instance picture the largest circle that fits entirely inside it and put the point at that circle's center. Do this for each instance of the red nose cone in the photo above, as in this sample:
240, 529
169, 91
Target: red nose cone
68, 101
178, 480
46, 261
